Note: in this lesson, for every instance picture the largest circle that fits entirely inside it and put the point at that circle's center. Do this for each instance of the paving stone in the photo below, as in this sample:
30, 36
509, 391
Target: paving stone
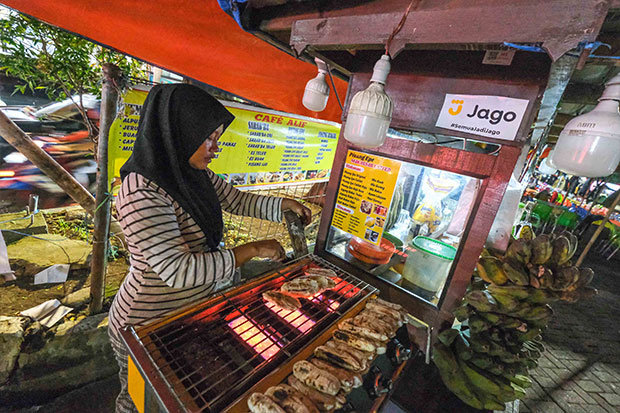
588, 385
584, 395
545, 407
589, 409
546, 382
567, 396
611, 398
603, 403
604, 376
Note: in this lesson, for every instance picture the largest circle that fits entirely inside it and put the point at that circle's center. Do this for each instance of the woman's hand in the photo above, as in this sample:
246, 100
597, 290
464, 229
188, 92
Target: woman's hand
304, 212
269, 248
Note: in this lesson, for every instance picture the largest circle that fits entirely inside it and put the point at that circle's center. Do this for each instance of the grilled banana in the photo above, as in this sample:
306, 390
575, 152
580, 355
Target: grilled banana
363, 356
359, 343
301, 287
342, 359
282, 300
259, 403
347, 378
324, 402
290, 399
376, 305
312, 376
350, 326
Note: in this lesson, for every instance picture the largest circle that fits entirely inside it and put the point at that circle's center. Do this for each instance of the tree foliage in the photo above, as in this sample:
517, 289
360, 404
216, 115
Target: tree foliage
61, 64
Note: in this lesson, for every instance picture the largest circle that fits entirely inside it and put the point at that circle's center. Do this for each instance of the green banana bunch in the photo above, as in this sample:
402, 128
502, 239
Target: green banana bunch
447, 336
561, 250
515, 272
462, 347
538, 313
585, 277
541, 249
579, 294
521, 381
526, 233
492, 318
482, 301
494, 387
519, 251
565, 278
541, 296
462, 312
528, 335
482, 361
478, 324
507, 302
518, 292
478, 343
453, 377
490, 269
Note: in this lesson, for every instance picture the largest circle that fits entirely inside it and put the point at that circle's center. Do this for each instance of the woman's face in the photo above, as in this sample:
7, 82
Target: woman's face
206, 152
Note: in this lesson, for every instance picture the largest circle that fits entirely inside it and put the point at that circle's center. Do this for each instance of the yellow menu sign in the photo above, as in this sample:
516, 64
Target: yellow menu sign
364, 195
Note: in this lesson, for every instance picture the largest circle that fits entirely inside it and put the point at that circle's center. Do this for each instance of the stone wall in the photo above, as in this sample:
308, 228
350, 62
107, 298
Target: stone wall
37, 364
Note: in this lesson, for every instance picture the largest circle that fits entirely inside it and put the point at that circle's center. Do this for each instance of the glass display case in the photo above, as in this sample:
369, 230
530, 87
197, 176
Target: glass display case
400, 221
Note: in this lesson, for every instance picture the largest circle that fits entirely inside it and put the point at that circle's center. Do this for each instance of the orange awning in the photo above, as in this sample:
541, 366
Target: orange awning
193, 38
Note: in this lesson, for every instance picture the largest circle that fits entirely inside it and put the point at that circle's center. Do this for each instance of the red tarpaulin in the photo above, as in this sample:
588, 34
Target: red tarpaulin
193, 38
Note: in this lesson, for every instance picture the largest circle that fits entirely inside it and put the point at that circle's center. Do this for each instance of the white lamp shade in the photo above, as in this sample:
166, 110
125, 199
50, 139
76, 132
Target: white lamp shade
316, 93
370, 111
545, 168
589, 145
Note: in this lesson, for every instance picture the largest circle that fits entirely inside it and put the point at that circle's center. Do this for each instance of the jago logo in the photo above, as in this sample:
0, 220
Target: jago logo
453, 112
497, 117
493, 116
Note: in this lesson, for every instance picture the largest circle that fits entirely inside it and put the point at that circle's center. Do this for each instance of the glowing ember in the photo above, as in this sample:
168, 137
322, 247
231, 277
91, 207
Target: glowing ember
263, 345
332, 305
344, 288
296, 318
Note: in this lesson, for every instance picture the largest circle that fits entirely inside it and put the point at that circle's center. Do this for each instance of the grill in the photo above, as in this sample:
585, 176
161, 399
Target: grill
209, 355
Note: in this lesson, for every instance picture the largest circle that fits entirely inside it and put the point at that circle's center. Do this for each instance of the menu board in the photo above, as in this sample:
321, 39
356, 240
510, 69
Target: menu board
266, 147
364, 195
260, 147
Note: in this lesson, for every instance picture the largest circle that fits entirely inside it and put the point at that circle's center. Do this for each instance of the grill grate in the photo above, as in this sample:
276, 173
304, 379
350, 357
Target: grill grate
211, 356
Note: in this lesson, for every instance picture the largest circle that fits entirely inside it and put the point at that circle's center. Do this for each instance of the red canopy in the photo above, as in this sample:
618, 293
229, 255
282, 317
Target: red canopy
193, 38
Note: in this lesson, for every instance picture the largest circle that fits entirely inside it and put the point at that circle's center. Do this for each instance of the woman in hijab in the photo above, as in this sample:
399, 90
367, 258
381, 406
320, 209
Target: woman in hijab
170, 209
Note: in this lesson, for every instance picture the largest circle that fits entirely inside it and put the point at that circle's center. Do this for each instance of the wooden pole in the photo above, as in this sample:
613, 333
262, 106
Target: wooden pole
109, 99
16, 137
598, 231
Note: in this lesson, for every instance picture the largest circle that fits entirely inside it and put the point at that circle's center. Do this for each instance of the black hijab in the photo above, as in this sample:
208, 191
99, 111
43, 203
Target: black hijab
175, 120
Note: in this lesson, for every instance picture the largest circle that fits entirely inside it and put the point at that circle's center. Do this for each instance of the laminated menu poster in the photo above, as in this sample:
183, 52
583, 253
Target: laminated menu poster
364, 195
263, 147
260, 148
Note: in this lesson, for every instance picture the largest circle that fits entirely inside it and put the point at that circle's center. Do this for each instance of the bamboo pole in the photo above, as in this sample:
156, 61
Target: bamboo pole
598, 231
109, 98
16, 137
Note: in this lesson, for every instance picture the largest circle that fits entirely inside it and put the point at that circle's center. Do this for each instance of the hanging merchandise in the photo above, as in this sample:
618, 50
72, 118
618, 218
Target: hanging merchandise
430, 212
589, 145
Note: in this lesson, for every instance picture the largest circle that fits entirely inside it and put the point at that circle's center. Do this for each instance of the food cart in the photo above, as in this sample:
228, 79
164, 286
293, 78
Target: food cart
429, 194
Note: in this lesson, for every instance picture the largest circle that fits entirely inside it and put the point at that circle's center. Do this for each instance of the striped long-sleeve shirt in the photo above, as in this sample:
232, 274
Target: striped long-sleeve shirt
170, 265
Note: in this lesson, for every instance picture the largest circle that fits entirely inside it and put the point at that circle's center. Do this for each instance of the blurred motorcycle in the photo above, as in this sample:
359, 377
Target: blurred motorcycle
56, 128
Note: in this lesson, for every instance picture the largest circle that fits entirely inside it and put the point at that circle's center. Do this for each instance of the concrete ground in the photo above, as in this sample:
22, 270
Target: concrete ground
579, 372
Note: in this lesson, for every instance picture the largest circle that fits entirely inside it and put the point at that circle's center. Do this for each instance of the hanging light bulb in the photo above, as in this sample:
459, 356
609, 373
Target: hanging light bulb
316, 92
546, 167
589, 145
370, 112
